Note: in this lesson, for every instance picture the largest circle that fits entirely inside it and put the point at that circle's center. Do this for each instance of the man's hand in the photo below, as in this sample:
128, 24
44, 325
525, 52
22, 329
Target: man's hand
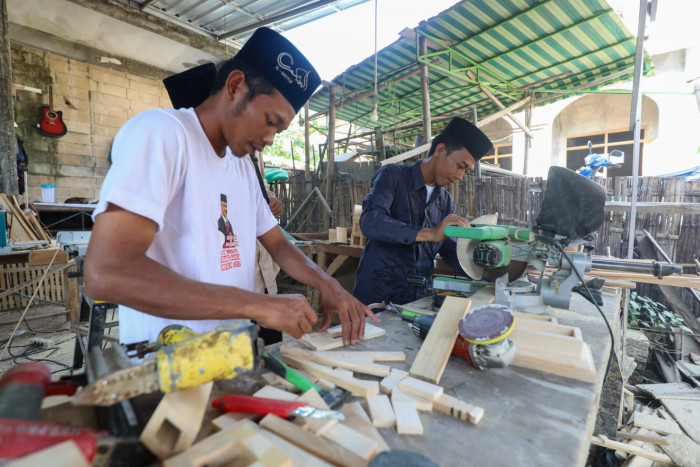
336, 300
275, 204
287, 313
437, 234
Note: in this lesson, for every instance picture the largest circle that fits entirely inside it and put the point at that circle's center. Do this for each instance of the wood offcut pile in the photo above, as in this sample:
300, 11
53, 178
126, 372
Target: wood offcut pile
666, 435
23, 224
392, 397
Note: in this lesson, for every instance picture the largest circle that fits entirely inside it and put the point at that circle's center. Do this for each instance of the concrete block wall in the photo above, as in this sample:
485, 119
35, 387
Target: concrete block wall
95, 101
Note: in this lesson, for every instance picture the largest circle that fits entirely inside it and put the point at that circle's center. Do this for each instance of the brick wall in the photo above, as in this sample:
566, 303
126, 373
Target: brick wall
95, 101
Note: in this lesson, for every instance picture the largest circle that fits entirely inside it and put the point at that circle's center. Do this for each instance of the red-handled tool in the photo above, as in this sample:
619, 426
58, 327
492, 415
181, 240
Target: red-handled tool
263, 406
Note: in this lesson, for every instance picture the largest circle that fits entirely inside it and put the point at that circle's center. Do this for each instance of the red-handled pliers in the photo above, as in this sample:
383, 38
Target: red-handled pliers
263, 406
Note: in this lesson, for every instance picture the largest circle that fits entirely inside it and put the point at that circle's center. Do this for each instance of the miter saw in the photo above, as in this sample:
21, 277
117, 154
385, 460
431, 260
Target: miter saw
573, 208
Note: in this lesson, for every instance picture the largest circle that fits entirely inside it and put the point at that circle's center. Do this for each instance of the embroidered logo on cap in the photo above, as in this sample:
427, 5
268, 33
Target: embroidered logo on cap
301, 76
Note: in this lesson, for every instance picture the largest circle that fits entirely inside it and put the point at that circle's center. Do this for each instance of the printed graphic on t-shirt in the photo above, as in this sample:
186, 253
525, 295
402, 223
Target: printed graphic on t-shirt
230, 258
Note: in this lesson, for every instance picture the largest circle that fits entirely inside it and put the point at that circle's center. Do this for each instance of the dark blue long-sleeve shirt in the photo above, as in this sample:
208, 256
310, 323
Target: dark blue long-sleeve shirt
393, 213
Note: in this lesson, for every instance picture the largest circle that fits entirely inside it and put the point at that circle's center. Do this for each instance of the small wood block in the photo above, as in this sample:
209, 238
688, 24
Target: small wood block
221, 447
277, 381
274, 457
316, 425
357, 419
332, 235
341, 234
424, 405
271, 392
333, 338
391, 382
458, 409
256, 444
43, 257
407, 419
228, 420
64, 454
350, 439
330, 452
176, 421
422, 389
381, 411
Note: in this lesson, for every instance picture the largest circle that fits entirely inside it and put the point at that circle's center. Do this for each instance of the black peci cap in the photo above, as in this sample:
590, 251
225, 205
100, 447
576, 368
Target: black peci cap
191, 87
277, 59
469, 136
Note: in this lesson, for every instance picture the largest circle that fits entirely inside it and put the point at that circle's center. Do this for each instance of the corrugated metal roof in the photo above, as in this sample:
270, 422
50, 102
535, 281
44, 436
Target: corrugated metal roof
510, 48
235, 20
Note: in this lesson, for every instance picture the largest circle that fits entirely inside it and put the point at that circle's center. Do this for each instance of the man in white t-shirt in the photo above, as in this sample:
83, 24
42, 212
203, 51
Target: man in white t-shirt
155, 246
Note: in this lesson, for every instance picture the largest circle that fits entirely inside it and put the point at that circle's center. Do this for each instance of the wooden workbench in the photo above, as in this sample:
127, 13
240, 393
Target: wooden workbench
531, 418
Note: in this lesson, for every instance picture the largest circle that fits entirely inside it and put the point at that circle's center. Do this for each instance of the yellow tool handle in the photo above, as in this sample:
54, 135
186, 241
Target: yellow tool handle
175, 333
220, 354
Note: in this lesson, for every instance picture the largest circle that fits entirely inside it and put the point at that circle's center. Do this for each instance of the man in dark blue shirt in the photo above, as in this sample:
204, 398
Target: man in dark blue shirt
406, 211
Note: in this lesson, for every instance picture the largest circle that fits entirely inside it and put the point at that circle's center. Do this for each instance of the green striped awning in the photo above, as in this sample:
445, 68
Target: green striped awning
511, 49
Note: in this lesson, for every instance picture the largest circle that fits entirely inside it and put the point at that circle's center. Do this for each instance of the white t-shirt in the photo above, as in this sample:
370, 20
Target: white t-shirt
429, 189
164, 168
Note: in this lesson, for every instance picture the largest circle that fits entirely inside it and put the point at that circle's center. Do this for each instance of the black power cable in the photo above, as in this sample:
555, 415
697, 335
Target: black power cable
588, 291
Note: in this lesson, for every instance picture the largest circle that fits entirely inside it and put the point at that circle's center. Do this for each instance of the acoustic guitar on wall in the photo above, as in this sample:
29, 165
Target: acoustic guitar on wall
51, 122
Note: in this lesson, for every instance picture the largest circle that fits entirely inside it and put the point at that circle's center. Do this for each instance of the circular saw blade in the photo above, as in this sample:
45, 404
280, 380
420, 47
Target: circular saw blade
465, 248
487, 324
465, 256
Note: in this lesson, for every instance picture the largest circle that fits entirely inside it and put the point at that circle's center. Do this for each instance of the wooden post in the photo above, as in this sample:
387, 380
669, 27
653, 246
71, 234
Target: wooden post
307, 144
381, 152
71, 296
330, 172
425, 88
528, 139
8, 142
291, 147
477, 166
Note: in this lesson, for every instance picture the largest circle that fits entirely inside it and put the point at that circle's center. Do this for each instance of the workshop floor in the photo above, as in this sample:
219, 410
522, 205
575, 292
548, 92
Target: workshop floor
47, 340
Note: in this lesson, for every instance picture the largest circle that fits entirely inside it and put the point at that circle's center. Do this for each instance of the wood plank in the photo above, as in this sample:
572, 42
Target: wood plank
378, 356
675, 280
391, 382
687, 414
654, 207
333, 338
359, 366
658, 440
654, 423
357, 419
352, 440
437, 346
683, 451
432, 357
529, 316
582, 370
329, 452
381, 411
601, 440
681, 391
356, 386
